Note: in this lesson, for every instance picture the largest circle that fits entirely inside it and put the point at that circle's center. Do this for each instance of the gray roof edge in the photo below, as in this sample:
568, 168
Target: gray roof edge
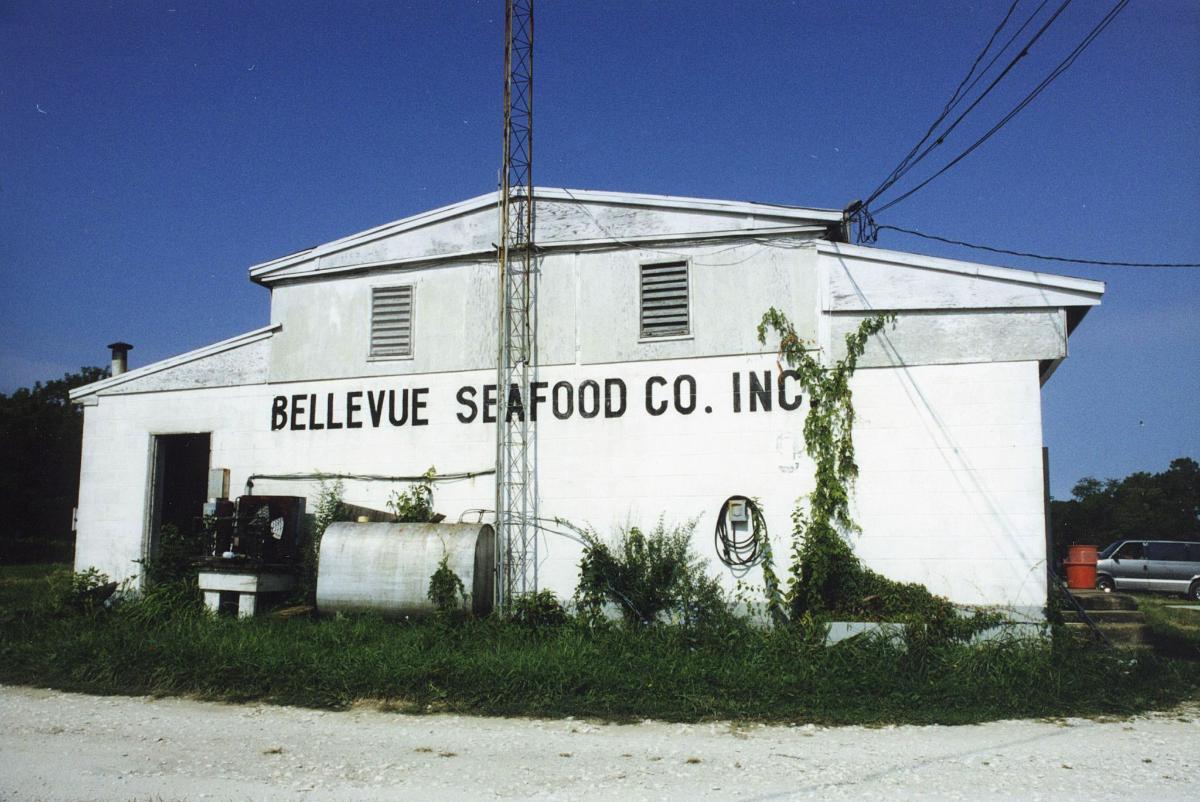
976, 269
798, 213
80, 393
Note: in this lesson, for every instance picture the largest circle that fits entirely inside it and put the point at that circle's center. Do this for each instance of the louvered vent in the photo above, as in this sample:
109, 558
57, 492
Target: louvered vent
664, 299
391, 321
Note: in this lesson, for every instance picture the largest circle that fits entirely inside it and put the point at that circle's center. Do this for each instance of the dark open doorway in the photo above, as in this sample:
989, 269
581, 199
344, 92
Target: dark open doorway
180, 484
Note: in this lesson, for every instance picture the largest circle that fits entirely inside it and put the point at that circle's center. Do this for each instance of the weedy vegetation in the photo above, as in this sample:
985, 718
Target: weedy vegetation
414, 504
648, 632
446, 590
1175, 624
548, 663
648, 577
330, 508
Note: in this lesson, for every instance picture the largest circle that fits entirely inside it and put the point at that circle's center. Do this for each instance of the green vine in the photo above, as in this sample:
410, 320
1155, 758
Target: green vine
826, 577
823, 568
775, 603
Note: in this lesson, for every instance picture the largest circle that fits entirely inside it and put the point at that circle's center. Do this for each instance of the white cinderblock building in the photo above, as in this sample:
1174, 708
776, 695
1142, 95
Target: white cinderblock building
380, 359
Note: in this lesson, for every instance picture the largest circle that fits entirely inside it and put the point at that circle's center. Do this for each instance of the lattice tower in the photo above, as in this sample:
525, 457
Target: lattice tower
516, 435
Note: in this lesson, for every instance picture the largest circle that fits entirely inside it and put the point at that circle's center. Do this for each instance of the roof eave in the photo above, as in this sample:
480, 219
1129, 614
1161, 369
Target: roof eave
811, 233
81, 394
1083, 286
799, 214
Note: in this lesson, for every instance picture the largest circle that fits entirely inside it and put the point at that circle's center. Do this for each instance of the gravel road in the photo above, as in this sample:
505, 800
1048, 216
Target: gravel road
60, 746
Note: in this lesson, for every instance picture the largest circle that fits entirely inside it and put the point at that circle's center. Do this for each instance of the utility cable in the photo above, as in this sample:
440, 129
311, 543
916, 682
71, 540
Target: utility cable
1006, 46
995, 82
364, 477
1062, 67
1027, 255
954, 99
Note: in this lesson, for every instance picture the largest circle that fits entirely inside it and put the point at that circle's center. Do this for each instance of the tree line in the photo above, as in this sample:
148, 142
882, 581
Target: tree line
41, 433
1143, 505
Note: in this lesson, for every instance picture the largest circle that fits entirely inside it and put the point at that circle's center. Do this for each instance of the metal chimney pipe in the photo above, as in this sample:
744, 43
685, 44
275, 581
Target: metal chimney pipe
120, 357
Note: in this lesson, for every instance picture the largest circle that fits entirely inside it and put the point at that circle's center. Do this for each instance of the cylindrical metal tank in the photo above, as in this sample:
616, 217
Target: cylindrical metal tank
385, 568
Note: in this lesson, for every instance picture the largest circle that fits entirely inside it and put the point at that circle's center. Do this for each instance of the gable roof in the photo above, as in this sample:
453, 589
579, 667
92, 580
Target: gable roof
130, 379
566, 218
867, 278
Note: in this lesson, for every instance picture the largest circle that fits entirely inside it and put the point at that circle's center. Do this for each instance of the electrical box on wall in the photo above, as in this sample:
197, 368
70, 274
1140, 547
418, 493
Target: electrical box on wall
737, 512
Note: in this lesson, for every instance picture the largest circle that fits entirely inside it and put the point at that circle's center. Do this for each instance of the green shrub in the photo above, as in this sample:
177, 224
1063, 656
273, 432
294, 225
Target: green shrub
538, 610
330, 507
649, 577
414, 505
83, 592
175, 560
446, 590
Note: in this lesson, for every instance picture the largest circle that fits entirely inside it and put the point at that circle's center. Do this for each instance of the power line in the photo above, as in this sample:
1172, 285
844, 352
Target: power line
1006, 46
1027, 255
950, 104
1016, 59
909, 162
1062, 67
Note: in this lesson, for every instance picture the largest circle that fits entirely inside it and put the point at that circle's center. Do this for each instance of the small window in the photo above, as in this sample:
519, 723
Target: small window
391, 321
665, 299
1171, 552
1131, 551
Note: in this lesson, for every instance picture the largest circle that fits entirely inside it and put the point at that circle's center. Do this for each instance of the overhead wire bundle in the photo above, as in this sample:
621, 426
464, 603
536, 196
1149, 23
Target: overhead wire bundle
863, 214
964, 89
1032, 95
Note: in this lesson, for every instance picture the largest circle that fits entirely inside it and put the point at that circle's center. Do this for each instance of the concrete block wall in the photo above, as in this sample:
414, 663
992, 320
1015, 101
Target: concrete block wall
949, 492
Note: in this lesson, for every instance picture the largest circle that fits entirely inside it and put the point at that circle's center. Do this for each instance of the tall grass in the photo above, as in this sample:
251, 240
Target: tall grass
613, 671
1176, 629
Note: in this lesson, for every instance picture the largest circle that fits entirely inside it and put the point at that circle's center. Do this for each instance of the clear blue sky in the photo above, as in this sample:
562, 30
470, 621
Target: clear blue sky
151, 151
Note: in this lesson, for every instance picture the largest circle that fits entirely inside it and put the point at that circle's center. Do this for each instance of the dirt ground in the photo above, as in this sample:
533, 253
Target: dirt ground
59, 746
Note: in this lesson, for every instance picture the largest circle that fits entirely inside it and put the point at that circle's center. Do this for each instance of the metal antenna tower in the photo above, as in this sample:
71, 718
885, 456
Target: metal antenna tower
516, 454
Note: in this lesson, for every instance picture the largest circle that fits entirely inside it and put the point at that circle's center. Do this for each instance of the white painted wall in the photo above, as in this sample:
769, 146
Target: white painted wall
949, 421
588, 310
947, 337
950, 493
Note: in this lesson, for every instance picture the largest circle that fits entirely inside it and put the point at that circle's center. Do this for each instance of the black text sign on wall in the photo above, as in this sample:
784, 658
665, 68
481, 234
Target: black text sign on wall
591, 398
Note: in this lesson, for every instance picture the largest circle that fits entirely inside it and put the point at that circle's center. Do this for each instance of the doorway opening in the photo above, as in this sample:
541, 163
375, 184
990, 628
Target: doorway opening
180, 485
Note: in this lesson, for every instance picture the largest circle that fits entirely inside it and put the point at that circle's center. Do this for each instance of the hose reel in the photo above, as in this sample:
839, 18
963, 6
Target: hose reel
740, 533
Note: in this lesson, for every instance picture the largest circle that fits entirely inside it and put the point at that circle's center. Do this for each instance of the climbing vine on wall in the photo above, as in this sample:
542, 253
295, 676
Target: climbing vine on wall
823, 568
825, 576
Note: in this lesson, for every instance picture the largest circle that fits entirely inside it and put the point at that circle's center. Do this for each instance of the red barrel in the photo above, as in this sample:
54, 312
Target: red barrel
1081, 568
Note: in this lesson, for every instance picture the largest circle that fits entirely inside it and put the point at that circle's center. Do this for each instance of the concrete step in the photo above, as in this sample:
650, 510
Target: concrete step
1119, 634
1108, 616
1099, 600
